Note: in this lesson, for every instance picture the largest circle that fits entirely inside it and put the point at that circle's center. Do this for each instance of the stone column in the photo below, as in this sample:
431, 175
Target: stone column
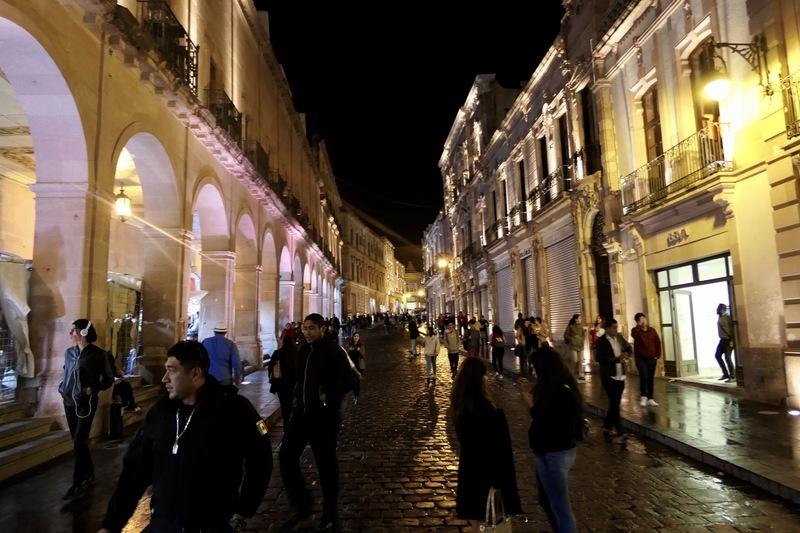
299, 307
164, 291
245, 328
70, 262
306, 301
216, 277
286, 291
268, 325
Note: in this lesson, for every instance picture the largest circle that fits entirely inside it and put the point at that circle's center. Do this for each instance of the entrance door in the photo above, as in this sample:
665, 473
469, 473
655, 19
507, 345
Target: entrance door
683, 314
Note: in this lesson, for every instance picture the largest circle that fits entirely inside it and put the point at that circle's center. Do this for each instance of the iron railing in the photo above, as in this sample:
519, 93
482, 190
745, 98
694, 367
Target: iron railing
170, 40
677, 169
550, 189
790, 88
518, 214
257, 156
228, 118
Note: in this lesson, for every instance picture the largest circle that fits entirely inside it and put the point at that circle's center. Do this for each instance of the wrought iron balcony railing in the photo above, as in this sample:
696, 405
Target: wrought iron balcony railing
228, 118
518, 214
257, 156
790, 88
678, 168
170, 40
550, 188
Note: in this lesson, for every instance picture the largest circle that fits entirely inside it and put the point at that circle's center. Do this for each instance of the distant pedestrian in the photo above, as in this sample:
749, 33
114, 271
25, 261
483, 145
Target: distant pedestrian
498, 344
204, 450
519, 348
282, 370
574, 338
613, 354
453, 346
725, 345
556, 410
472, 339
357, 354
413, 334
531, 343
225, 364
86, 372
646, 353
432, 348
484, 334
324, 377
485, 458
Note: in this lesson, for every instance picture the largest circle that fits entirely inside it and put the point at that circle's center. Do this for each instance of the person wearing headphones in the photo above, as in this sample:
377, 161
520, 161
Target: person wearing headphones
86, 373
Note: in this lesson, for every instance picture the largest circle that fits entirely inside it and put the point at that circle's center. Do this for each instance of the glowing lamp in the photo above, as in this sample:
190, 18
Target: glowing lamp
122, 205
717, 86
442, 262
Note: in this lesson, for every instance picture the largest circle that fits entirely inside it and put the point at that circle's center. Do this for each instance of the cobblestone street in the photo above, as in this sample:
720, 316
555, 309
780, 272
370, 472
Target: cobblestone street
398, 467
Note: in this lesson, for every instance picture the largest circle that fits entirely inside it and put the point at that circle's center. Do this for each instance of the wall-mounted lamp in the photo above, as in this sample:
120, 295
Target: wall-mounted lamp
755, 53
122, 205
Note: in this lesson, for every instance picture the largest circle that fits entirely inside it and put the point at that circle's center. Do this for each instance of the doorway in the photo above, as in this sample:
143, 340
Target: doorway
688, 297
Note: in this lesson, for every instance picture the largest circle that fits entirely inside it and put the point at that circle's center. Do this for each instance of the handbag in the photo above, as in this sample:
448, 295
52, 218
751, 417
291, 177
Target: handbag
496, 519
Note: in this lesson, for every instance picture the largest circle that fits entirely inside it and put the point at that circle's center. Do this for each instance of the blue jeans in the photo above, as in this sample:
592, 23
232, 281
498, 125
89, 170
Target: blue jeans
552, 479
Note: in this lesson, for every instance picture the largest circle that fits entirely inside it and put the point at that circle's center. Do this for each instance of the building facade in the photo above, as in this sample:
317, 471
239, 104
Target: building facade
182, 108
364, 266
437, 251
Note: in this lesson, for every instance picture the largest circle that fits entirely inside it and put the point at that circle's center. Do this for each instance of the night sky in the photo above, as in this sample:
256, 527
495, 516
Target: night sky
383, 85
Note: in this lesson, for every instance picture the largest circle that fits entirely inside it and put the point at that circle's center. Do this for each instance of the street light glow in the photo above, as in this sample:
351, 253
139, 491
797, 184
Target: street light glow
717, 86
442, 262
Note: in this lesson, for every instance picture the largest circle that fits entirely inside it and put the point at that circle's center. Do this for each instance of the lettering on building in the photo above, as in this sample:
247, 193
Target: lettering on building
676, 237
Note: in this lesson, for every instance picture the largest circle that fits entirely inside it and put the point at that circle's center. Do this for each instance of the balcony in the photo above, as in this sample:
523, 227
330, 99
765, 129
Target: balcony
170, 40
499, 225
550, 189
258, 157
678, 169
790, 88
518, 214
228, 118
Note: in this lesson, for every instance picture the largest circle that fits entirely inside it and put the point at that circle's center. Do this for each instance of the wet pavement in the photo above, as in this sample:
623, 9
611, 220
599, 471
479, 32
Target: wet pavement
399, 470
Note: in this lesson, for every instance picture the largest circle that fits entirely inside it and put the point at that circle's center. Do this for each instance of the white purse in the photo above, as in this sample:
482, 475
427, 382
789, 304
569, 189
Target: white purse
496, 519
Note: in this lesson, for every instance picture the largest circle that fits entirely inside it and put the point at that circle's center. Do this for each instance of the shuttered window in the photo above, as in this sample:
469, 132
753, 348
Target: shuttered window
564, 285
530, 285
505, 304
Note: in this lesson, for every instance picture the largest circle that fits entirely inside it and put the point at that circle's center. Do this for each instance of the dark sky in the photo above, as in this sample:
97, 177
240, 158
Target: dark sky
382, 83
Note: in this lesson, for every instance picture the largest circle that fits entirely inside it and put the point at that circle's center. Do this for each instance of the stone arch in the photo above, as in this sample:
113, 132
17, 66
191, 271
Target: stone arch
54, 164
297, 277
268, 298
285, 288
246, 290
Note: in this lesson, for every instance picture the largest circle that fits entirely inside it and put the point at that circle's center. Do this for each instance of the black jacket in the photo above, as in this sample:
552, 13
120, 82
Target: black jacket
322, 368
485, 460
200, 485
604, 355
85, 368
555, 416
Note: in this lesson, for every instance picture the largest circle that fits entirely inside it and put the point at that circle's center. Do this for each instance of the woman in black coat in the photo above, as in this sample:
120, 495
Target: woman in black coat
485, 458
282, 374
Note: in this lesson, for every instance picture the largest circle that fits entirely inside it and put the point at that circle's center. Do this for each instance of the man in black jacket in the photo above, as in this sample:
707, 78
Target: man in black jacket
204, 449
324, 377
612, 353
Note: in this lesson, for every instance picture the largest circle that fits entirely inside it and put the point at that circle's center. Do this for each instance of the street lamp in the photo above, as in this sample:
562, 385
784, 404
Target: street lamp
755, 53
442, 263
122, 205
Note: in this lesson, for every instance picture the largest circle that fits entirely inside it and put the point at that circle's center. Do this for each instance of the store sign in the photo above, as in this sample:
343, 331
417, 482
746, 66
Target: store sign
676, 237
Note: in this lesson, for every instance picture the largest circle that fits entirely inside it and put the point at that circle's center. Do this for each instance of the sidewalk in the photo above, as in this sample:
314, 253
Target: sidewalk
755, 442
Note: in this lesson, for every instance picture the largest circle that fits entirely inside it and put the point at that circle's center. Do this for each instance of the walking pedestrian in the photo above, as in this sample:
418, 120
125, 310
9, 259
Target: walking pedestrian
613, 353
725, 345
519, 349
431, 350
472, 339
485, 458
498, 344
484, 334
326, 378
452, 345
282, 370
556, 410
646, 352
531, 343
86, 372
413, 334
203, 448
574, 338
225, 364
357, 355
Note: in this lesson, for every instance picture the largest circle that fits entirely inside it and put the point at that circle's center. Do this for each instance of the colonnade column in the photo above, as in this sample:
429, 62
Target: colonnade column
245, 327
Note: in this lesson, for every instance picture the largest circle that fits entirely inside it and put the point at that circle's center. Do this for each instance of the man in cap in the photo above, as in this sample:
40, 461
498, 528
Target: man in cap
224, 354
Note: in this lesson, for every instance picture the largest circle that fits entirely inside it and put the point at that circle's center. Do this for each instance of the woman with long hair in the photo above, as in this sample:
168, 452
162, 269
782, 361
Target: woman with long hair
356, 352
498, 344
283, 374
556, 408
485, 457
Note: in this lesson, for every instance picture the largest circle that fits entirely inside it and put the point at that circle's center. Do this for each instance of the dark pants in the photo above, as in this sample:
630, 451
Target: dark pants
724, 348
80, 425
123, 393
453, 358
286, 397
613, 388
647, 373
497, 358
522, 354
320, 432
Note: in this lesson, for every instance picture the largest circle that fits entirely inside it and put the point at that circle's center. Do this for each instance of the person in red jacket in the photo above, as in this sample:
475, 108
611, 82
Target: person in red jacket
646, 352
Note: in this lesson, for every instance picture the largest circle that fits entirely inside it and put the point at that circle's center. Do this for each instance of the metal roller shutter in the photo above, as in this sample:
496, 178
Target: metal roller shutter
505, 303
564, 285
530, 281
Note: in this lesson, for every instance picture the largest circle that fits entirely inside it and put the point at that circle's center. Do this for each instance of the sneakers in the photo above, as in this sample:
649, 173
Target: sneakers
730, 380
643, 401
724, 378
652, 403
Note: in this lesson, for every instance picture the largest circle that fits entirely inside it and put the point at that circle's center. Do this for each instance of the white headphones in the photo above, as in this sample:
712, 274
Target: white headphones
85, 331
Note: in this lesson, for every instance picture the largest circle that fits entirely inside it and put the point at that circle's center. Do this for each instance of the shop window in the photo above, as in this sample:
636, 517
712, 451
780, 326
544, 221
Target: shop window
681, 275
712, 269
663, 279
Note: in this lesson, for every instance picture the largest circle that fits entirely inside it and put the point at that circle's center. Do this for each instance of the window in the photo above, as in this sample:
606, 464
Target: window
566, 159
521, 172
701, 61
591, 138
543, 163
652, 124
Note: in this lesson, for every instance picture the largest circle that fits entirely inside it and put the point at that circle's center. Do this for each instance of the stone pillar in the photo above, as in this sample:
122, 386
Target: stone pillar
306, 301
70, 258
268, 325
299, 307
216, 277
316, 303
164, 291
286, 302
246, 293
